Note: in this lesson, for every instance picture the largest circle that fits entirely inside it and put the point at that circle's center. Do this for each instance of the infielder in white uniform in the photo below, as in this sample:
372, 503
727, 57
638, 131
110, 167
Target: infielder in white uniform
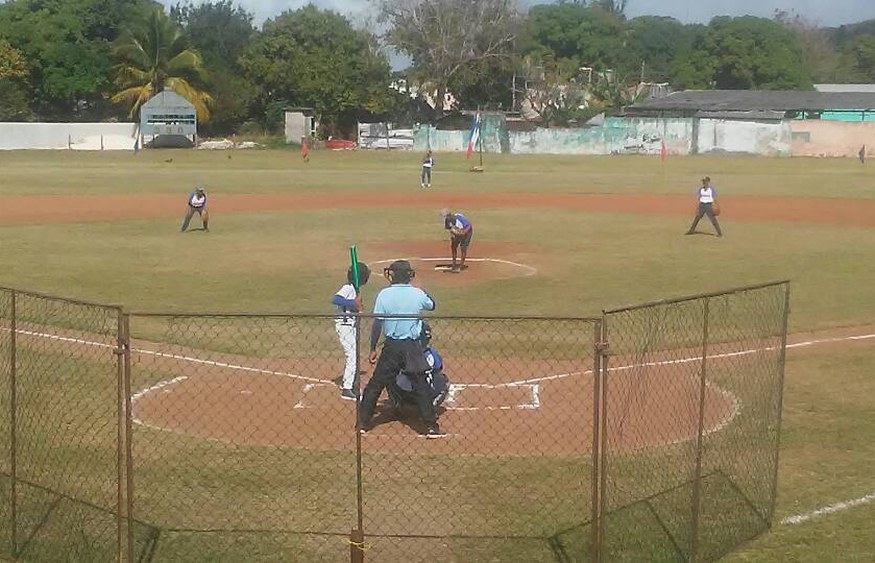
348, 300
706, 195
197, 203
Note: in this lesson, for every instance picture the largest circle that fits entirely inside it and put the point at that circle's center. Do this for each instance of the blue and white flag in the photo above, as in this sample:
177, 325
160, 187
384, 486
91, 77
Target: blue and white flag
474, 136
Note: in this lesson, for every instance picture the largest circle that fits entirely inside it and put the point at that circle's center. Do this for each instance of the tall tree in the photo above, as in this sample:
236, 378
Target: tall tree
442, 37
13, 79
315, 58
221, 33
615, 7
154, 56
652, 46
581, 35
858, 59
66, 44
747, 53
820, 54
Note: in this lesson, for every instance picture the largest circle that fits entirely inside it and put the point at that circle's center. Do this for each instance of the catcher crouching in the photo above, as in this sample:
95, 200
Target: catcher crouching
401, 392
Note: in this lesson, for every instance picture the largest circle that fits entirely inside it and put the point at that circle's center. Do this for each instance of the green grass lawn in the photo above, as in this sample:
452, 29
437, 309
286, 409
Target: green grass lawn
293, 260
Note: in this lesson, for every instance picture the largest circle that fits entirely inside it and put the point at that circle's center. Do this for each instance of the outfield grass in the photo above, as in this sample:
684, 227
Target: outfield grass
249, 171
292, 261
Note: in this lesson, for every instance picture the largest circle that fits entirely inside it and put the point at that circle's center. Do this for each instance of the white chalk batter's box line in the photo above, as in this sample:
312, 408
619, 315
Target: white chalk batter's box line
451, 402
794, 519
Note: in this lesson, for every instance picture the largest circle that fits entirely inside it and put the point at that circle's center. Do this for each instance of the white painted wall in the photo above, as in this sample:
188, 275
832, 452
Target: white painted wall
75, 136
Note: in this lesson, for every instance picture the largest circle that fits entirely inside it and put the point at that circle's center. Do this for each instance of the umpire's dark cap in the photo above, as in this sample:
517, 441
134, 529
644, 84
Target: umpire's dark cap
399, 266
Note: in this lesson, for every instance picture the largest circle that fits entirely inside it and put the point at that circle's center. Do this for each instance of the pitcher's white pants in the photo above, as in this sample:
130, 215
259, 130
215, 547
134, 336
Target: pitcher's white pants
346, 335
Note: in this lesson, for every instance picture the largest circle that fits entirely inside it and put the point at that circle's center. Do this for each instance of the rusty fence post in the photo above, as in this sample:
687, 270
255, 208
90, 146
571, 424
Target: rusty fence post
601, 401
129, 438
357, 536
599, 347
125, 526
700, 437
13, 427
120, 437
780, 389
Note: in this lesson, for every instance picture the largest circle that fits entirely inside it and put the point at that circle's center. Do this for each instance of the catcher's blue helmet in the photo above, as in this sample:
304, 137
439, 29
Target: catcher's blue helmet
425, 334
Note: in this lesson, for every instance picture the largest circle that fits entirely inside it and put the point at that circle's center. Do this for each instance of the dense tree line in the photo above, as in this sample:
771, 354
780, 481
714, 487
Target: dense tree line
87, 60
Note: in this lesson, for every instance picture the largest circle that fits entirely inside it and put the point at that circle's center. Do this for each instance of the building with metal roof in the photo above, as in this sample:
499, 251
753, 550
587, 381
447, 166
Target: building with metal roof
169, 119
760, 105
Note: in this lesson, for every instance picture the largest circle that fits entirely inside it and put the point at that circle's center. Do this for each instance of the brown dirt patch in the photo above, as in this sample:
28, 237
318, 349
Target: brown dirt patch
487, 260
215, 400
548, 417
431, 247
76, 208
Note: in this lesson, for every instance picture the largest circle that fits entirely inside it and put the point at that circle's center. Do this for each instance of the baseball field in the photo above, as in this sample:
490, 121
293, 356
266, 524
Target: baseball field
554, 237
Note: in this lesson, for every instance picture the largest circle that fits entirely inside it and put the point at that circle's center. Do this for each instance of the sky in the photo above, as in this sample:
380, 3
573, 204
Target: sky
822, 12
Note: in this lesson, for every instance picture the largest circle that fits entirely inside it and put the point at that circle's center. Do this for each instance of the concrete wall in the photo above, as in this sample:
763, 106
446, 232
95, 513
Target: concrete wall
76, 136
681, 136
762, 138
830, 138
616, 136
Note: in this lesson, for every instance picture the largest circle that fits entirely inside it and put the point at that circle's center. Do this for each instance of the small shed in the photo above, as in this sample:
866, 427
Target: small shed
299, 123
168, 119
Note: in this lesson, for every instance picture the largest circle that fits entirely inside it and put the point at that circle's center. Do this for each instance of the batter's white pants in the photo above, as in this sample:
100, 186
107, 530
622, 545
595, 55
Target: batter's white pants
346, 335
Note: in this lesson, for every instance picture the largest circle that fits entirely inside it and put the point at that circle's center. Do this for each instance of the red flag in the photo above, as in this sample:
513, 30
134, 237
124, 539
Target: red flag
662, 151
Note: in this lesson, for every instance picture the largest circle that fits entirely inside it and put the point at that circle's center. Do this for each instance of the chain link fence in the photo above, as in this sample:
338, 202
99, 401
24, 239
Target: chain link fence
649, 433
691, 399
60, 391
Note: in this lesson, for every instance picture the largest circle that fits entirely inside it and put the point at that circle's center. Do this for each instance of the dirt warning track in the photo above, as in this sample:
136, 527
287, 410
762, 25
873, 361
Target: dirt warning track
78, 208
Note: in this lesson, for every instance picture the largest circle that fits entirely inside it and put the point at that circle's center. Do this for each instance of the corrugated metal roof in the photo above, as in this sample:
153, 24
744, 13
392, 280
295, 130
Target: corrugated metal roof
754, 115
845, 87
750, 100
167, 99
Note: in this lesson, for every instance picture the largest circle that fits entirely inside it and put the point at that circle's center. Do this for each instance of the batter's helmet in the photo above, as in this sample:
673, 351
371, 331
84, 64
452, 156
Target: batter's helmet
364, 274
399, 271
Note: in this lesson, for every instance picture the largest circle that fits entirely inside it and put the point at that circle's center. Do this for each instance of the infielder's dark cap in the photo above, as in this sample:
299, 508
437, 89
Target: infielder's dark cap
706, 179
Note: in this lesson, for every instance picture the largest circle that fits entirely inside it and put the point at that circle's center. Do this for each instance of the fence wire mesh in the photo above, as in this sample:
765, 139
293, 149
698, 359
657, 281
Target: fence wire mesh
6, 435
692, 392
512, 477
62, 418
240, 432
649, 434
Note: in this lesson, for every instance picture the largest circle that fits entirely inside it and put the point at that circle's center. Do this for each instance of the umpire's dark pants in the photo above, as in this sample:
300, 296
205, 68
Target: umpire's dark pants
706, 209
395, 356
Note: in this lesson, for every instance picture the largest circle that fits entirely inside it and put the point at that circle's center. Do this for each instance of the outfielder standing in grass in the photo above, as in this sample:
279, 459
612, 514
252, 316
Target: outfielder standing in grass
706, 195
349, 300
461, 232
427, 165
402, 350
197, 203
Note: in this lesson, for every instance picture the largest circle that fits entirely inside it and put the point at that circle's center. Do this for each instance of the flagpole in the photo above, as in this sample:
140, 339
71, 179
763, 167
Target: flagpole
480, 140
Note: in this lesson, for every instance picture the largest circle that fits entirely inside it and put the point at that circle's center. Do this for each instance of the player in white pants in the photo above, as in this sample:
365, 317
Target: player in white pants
348, 300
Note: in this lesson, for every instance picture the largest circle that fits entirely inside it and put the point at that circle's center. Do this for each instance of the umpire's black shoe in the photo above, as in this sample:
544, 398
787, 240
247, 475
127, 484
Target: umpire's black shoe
434, 431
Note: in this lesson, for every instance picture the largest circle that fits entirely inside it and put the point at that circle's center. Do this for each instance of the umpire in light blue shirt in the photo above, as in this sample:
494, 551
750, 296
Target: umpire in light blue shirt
401, 348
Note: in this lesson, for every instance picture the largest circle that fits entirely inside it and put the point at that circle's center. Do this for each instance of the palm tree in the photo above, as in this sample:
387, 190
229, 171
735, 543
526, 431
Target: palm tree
155, 57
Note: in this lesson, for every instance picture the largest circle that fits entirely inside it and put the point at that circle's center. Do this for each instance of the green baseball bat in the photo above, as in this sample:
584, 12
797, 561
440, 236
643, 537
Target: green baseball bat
354, 262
